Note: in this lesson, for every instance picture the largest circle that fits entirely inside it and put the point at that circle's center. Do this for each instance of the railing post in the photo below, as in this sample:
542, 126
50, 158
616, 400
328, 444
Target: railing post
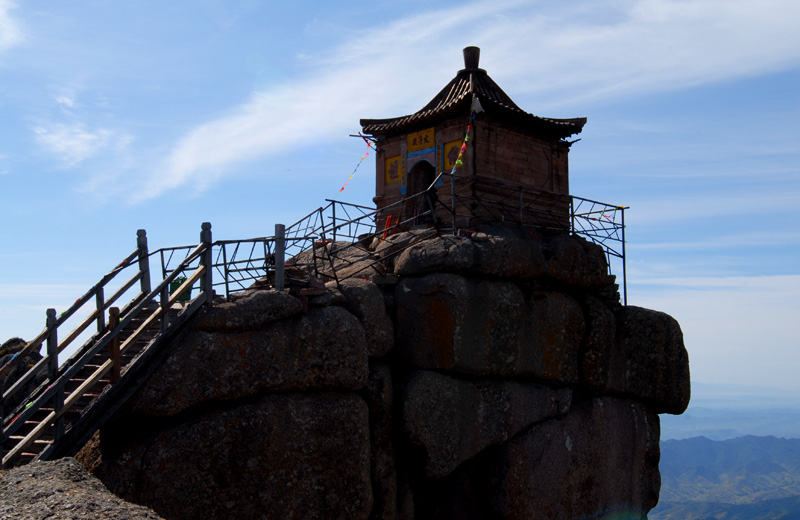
52, 370
280, 253
144, 260
226, 271
164, 304
572, 215
113, 323
624, 274
101, 316
206, 281
333, 207
453, 200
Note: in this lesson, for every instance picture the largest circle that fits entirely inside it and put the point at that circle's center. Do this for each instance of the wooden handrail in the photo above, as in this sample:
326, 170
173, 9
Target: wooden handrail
104, 368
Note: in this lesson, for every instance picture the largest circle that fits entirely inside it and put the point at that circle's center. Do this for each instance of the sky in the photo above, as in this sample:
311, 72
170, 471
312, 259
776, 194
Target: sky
118, 116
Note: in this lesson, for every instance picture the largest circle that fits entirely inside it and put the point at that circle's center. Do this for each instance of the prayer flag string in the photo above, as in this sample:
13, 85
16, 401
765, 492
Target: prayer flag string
369, 145
463, 148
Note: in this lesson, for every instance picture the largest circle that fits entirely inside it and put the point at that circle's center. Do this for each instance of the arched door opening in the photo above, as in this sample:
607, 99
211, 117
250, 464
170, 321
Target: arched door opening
420, 178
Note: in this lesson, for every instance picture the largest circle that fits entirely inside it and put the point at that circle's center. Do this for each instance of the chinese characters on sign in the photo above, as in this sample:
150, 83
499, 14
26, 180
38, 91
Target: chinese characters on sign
450, 155
392, 169
420, 140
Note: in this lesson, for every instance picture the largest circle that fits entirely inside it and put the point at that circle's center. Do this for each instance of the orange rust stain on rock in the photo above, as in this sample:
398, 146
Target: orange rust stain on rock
438, 334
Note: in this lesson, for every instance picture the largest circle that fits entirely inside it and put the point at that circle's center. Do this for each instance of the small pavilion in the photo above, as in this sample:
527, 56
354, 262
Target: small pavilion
506, 164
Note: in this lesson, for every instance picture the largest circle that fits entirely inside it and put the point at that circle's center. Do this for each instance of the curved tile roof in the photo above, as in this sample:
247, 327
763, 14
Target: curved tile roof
456, 98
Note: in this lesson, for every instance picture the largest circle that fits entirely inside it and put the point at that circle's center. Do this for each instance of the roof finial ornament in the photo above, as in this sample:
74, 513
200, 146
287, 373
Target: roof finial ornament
472, 56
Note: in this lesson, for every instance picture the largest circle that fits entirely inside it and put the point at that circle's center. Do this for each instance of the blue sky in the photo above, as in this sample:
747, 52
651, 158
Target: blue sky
116, 116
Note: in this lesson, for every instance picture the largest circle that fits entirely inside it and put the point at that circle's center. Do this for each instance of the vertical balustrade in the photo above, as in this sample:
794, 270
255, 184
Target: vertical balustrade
144, 260
52, 370
280, 253
206, 261
101, 316
113, 323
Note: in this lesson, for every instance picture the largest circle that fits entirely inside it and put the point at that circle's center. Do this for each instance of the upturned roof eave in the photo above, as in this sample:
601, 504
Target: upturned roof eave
555, 128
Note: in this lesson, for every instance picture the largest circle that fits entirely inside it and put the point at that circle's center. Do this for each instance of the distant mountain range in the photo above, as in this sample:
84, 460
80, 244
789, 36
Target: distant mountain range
748, 478
721, 412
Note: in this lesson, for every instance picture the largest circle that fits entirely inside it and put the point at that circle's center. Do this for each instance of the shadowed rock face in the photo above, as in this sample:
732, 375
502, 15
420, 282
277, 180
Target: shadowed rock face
448, 322
455, 419
498, 378
297, 445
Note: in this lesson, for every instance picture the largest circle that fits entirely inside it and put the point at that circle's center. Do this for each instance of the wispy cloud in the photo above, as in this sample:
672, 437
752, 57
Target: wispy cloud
10, 32
74, 143
584, 50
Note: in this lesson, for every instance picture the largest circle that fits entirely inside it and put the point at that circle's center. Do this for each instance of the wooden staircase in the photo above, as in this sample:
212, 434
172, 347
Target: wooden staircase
78, 396
88, 391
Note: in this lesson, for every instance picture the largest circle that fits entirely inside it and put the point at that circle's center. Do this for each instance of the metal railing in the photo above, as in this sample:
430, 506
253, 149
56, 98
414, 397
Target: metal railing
330, 240
51, 396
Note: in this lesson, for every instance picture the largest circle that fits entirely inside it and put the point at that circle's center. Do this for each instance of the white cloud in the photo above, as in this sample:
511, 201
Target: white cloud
579, 50
74, 143
10, 32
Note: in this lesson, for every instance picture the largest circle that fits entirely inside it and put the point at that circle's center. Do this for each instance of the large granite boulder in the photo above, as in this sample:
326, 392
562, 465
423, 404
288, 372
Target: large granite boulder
365, 300
324, 349
453, 419
445, 253
646, 360
508, 256
598, 461
251, 310
379, 396
447, 322
294, 456
62, 490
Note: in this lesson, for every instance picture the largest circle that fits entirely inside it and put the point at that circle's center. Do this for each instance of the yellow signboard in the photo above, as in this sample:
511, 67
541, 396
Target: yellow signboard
420, 140
392, 169
450, 155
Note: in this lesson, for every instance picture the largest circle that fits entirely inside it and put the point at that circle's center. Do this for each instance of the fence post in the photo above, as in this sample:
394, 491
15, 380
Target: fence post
572, 214
226, 271
144, 260
164, 304
52, 370
453, 200
206, 281
113, 323
624, 274
280, 253
333, 204
101, 316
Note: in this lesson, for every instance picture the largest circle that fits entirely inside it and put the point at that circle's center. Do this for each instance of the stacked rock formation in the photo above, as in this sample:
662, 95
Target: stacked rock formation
499, 377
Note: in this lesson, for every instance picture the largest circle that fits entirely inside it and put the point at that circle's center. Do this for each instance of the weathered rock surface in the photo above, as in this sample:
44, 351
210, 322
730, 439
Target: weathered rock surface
650, 361
504, 381
508, 257
365, 300
446, 253
447, 322
637, 353
455, 419
379, 395
600, 460
574, 261
253, 310
324, 349
301, 456
62, 490
505, 254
